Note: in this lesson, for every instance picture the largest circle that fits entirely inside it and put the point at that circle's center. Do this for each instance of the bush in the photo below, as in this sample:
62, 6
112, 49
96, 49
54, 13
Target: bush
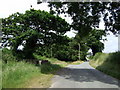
49, 68
7, 55
97, 55
66, 54
114, 57
90, 57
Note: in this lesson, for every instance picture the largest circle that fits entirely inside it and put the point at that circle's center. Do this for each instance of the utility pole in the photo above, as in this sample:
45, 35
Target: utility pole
119, 41
79, 50
51, 50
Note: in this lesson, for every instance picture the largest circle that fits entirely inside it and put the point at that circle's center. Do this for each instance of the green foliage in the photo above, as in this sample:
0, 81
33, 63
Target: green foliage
108, 63
7, 55
47, 68
114, 57
66, 52
50, 50
90, 57
83, 46
99, 56
66, 55
94, 40
63, 51
86, 15
33, 29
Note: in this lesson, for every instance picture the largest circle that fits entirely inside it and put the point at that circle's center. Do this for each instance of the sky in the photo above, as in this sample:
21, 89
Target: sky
8, 7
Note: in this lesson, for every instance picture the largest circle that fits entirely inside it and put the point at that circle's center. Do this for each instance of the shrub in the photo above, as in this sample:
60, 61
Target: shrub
114, 57
90, 57
97, 55
7, 55
49, 68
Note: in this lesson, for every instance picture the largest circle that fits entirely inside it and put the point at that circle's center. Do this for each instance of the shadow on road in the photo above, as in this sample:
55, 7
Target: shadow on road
85, 75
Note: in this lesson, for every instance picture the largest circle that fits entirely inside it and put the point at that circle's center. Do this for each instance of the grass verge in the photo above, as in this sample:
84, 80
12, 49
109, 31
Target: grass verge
0, 69
25, 75
107, 63
0, 74
16, 73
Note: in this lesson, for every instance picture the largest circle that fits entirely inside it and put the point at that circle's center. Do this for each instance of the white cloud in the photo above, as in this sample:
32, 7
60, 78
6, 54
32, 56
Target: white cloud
119, 42
71, 33
111, 45
101, 25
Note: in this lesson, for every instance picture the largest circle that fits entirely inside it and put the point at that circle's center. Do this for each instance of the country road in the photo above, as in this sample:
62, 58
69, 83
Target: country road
83, 76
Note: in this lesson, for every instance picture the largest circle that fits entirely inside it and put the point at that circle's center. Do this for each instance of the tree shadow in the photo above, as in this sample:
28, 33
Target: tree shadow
85, 75
111, 65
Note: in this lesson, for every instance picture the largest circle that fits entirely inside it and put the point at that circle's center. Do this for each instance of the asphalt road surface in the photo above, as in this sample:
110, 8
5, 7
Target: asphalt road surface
83, 76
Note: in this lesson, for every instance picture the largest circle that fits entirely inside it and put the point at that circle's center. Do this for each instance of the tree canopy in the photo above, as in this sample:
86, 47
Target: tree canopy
43, 32
32, 29
87, 15
94, 40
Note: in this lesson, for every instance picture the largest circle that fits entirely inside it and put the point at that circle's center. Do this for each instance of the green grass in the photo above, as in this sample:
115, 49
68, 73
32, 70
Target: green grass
16, 73
26, 75
0, 69
107, 63
0, 74
20, 73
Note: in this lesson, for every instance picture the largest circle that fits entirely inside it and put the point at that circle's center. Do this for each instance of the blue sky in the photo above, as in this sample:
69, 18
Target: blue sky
8, 7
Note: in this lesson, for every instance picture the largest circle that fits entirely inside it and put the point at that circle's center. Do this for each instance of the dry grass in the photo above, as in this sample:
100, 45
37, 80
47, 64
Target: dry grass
40, 81
77, 62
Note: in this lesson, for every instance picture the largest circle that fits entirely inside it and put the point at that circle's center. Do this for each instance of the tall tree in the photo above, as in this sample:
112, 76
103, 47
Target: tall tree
32, 29
86, 16
81, 45
94, 40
